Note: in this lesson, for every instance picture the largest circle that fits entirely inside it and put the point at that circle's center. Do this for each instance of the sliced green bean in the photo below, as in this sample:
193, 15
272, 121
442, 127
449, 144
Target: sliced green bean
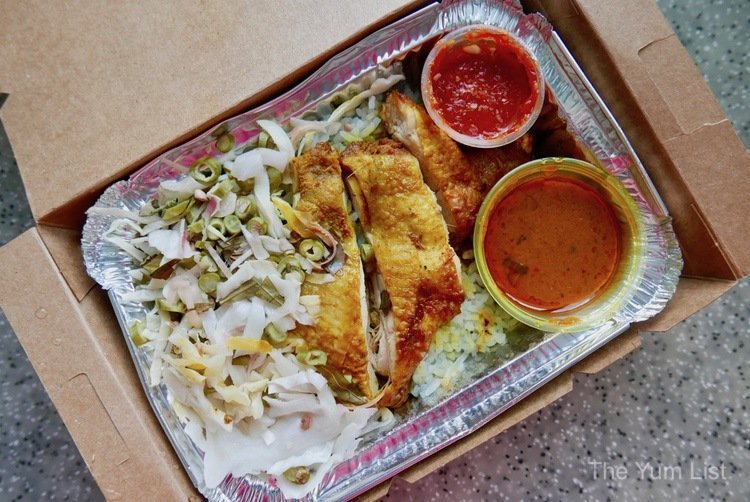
225, 143
224, 187
207, 263
264, 140
245, 208
208, 281
174, 212
196, 228
274, 335
232, 224
205, 170
288, 263
312, 357
178, 308
136, 329
312, 249
290, 267
274, 178
257, 224
297, 475
219, 131
215, 229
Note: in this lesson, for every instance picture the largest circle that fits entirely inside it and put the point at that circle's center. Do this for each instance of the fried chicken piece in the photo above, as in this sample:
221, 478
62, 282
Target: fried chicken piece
341, 328
445, 168
459, 179
418, 281
491, 164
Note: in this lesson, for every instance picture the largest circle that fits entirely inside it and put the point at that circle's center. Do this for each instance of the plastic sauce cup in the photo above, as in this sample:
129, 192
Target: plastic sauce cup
482, 86
603, 304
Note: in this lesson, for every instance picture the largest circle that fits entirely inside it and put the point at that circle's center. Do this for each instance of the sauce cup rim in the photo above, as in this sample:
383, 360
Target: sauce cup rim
606, 303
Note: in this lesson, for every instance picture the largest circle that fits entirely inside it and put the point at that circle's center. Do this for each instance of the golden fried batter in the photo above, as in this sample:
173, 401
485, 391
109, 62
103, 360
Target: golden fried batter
419, 269
460, 179
341, 327
491, 164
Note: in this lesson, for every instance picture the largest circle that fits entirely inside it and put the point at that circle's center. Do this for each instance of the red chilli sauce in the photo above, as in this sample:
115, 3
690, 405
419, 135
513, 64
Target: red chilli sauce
484, 86
553, 243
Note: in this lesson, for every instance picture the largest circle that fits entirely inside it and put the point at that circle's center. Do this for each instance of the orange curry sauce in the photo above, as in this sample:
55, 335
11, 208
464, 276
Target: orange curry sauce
553, 243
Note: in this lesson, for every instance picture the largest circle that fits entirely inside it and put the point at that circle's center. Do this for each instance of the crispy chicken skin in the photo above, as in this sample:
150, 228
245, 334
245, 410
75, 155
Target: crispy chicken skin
419, 269
460, 179
340, 329
445, 168
491, 164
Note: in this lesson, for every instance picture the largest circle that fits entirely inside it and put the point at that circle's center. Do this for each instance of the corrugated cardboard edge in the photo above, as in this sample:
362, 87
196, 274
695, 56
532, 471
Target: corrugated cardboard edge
65, 248
103, 406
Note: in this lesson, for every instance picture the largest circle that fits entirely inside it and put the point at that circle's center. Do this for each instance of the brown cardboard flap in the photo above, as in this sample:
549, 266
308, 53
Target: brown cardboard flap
719, 178
81, 360
91, 99
65, 248
674, 81
705, 152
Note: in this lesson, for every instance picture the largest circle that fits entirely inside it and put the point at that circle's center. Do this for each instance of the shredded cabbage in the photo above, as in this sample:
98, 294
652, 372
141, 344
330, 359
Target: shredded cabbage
222, 306
172, 244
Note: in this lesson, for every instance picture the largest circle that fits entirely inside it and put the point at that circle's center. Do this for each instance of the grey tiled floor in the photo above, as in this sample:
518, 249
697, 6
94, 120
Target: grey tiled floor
676, 405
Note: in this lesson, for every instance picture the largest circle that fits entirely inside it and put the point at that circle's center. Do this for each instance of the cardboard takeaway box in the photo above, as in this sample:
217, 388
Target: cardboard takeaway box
97, 90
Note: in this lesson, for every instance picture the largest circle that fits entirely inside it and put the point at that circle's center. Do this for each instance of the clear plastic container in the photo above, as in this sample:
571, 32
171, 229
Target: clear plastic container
605, 303
495, 46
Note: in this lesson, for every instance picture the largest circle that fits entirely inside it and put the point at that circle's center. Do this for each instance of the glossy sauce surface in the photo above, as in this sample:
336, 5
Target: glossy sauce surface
484, 86
553, 243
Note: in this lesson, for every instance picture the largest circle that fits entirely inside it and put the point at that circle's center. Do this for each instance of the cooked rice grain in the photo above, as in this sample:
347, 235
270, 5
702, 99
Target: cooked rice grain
459, 346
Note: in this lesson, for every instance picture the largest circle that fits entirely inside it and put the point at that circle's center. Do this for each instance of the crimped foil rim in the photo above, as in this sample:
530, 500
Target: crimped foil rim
423, 431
